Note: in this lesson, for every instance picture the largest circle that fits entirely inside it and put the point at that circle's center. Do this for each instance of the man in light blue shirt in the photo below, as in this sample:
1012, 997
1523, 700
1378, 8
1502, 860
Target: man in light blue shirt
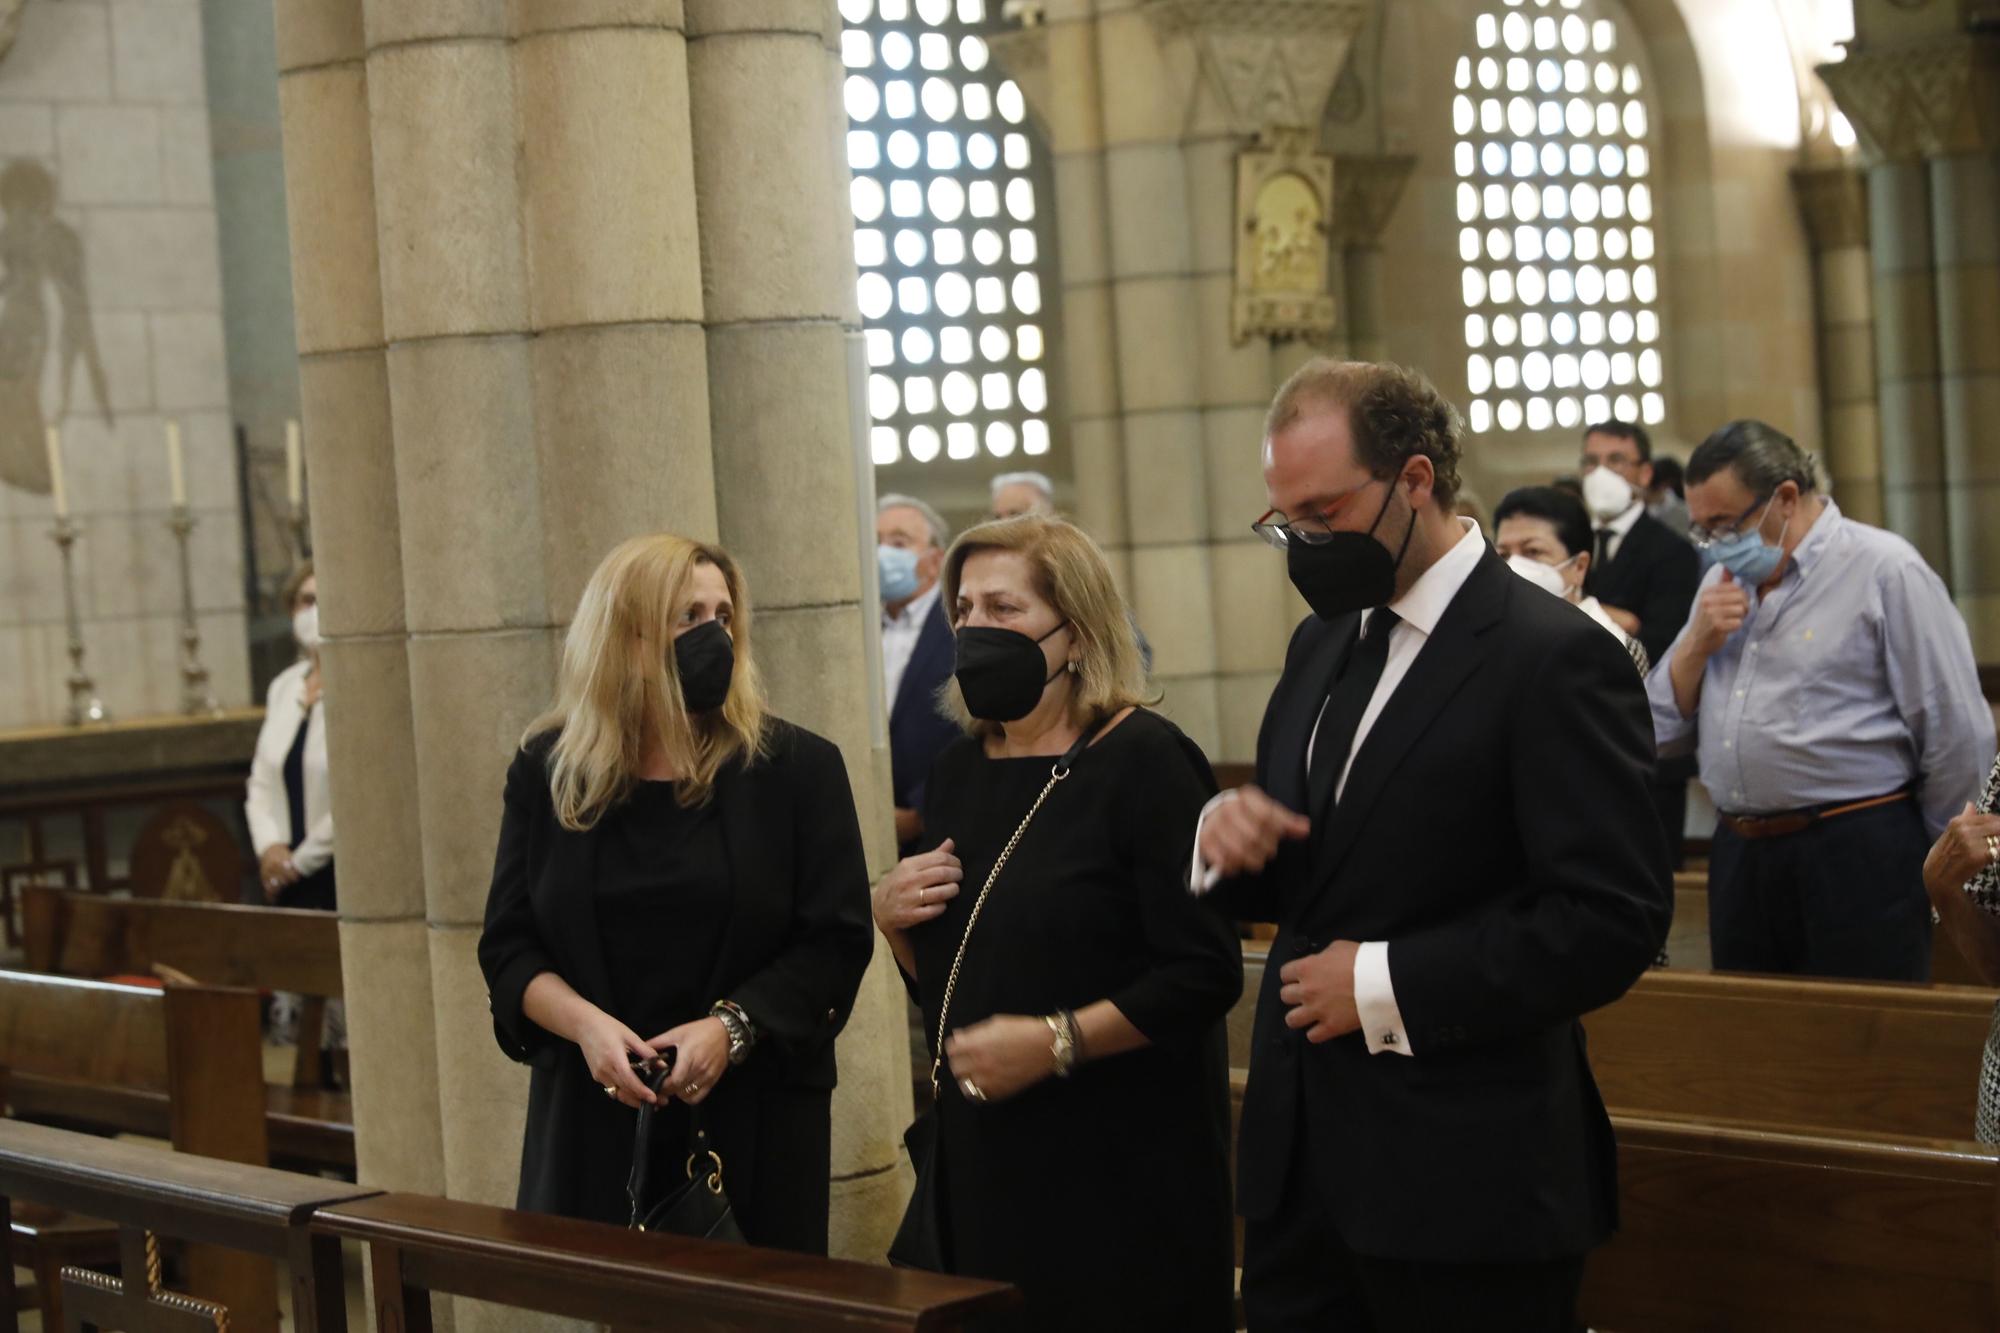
1828, 685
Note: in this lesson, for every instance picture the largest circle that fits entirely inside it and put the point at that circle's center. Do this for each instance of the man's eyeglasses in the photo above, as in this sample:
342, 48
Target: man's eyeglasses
1705, 537
1311, 530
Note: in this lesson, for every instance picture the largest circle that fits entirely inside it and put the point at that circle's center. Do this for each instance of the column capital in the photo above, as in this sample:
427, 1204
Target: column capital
1251, 55
1833, 202
1366, 189
1927, 98
1023, 55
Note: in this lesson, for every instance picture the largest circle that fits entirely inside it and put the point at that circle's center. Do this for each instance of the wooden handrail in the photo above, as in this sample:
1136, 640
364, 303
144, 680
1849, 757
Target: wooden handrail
587, 1270
419, 1245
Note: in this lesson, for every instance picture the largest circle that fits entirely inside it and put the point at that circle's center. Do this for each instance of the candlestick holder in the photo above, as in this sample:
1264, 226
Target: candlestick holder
84, 705
197, 699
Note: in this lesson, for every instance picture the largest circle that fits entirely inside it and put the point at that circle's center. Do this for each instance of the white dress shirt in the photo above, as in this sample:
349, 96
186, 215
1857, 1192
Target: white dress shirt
900, 635
1419, 611
1620, 528
266, 809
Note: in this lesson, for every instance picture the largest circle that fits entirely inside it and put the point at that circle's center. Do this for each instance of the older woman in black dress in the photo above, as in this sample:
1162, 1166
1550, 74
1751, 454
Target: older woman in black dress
680, 872
1083, 1116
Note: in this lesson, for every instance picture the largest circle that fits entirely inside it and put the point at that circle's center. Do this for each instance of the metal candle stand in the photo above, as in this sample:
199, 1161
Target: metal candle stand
197, 698
84, 705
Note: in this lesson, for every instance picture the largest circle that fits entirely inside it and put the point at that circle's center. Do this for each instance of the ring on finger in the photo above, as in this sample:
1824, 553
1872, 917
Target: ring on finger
610, 1091
924, 896
971, 1090
690, 1089
1993, 848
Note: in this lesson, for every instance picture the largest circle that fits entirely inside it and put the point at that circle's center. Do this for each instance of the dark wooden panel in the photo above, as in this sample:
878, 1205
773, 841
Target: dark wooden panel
306, 1126
1739, 1230
274, 948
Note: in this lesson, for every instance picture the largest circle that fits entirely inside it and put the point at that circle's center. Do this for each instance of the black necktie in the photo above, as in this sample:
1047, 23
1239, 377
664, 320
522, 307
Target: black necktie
1603, 555
1345, 703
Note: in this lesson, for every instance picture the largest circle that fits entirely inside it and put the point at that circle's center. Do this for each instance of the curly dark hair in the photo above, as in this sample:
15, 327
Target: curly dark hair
1395, 414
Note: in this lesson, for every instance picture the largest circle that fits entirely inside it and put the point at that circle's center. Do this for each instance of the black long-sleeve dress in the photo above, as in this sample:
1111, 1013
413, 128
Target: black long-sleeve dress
1105, 1196
771, 911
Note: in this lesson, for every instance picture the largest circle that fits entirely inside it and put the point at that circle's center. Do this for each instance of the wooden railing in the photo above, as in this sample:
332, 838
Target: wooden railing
418, 1246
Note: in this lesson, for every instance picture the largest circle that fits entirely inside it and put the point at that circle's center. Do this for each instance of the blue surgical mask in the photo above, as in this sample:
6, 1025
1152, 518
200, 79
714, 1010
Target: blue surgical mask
1747, 555
896, 570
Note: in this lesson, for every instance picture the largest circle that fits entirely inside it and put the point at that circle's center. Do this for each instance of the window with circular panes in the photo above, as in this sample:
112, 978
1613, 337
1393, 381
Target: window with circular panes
950, 229
1556, 219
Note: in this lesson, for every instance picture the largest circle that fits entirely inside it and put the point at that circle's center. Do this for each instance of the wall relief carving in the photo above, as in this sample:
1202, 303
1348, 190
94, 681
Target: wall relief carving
1923, 99
1284, 196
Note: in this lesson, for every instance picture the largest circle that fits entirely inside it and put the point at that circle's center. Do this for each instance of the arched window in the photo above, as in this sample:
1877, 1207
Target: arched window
949, 232
1556, 226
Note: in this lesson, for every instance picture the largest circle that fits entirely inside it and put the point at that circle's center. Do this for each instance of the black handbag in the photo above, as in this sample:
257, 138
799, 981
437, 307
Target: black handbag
922, 1240
696, 1206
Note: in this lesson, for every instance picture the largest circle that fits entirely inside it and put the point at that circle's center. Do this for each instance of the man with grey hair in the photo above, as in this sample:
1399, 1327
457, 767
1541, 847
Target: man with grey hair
1018, 493
1828, 686
917, 654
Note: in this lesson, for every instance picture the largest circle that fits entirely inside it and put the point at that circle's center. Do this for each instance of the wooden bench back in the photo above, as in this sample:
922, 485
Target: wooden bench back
1825, 1056
95, 1053
270, 948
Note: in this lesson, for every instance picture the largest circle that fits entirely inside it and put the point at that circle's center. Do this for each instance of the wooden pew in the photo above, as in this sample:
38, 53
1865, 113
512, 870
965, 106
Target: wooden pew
268, 948
1736, 1229
196, 1049
1812, 1056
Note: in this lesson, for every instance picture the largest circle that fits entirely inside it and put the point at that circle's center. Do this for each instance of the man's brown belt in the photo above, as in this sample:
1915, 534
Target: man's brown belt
1750, 827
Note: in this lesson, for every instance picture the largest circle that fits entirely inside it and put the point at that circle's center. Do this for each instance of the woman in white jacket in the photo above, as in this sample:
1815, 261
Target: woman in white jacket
291, 818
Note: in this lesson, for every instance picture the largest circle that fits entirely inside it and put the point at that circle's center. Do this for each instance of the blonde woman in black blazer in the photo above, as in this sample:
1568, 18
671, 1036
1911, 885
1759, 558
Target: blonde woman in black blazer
677, 870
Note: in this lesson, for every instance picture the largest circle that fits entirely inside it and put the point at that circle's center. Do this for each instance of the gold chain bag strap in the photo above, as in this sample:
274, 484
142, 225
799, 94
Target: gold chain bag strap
920, 1241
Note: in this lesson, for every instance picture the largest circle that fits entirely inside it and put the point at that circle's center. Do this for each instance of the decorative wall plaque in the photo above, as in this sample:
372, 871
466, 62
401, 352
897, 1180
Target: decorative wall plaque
1284, 196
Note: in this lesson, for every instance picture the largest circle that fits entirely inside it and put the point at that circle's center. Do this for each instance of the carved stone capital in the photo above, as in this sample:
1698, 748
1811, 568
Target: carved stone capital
1921, 99
1268, 62
1366, 190
1023, 55
1833, 201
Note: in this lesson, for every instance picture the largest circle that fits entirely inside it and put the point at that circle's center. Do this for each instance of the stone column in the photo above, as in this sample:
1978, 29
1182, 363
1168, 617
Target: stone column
1965, 230
1366, 190
1074, 115
779, 290
500, 303
1833, 201
344, 388
1906, 358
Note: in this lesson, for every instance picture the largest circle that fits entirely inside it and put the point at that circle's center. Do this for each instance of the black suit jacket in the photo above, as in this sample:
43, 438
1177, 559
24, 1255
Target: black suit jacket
918, 732
798, 940
1496, 831
1654, 576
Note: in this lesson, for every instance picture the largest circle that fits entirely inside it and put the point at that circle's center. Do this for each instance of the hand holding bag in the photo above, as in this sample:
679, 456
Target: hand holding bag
695, 1206
921, 1241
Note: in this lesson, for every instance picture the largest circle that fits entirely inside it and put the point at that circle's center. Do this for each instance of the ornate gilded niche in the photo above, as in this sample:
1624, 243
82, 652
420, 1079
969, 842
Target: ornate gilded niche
1284, 198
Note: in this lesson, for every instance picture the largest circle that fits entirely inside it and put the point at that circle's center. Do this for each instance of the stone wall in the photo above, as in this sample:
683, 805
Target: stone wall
108, 228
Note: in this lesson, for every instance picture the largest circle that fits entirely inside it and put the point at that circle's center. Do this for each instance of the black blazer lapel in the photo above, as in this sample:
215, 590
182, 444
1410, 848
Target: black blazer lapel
1450, 656
1305, 696
565, 896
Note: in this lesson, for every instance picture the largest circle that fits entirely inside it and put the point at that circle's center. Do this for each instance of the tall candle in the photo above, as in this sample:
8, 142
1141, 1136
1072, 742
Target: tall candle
294, 465
176, 474
53, 438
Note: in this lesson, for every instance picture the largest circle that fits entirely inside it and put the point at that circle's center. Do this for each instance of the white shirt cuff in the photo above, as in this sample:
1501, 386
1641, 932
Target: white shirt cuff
1201, 877
1375, 1001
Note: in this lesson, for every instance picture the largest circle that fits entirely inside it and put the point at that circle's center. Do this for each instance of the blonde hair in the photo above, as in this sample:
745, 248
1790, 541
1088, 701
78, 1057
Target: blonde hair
619, 686
1070, 574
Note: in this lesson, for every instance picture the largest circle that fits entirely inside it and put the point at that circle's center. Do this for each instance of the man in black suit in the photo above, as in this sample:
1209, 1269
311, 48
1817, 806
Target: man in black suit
917, 651
1645, 576
1450, 827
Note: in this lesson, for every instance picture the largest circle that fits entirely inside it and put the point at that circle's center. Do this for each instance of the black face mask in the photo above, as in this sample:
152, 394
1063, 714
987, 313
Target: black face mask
1349, 572
1001, 672
705, 659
